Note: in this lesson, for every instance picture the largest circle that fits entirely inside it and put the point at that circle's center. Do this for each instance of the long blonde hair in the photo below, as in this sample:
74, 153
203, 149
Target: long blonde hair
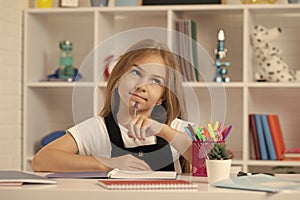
175, 107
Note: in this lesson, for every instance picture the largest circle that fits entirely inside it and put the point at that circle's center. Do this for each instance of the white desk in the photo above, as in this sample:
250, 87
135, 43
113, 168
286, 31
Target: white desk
87, 189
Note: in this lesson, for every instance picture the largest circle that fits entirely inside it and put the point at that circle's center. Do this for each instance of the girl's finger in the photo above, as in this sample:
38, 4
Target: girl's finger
143, 132
131, 132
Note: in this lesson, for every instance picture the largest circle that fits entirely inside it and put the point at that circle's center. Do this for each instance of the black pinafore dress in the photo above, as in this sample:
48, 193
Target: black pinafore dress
158, 156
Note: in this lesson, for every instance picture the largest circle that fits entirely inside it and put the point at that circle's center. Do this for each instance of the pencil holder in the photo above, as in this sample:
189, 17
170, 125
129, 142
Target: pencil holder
200, 149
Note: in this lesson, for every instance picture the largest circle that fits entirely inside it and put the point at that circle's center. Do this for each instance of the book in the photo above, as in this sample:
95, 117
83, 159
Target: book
268, 137
116, 174
78, 175
195, 49
123, 174
253, 132
276, 135
146, 184
291, 155
261, 138
282, 152
11, 177
187, 48
258, 182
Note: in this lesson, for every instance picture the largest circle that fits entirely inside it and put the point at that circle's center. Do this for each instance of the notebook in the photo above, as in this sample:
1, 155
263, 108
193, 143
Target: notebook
158, 184
258, 182
123, 174
90, 175
11, 177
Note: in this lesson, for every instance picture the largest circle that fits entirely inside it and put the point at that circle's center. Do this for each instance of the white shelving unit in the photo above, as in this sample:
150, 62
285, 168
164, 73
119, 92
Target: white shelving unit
48, 105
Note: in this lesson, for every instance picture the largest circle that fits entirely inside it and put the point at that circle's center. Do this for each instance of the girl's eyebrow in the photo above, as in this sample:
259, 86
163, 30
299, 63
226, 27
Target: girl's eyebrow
137, 66
140, 68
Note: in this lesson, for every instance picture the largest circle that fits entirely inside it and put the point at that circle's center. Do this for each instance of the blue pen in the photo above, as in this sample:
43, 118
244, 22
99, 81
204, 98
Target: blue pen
193, 137
187, 130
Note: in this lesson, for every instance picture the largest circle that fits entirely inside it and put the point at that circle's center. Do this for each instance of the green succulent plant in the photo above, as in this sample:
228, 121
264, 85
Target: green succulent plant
219, 152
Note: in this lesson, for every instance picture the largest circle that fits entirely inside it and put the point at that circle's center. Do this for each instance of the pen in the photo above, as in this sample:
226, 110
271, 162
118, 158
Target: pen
206, 133
187, 130
216, 126
211, 131
224, 131
240, 173
227, 132
136, 106
200, 136
191, 128
220, 126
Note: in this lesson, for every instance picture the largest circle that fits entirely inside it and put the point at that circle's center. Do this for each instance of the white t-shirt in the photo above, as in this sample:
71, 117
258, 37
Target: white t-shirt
92, 137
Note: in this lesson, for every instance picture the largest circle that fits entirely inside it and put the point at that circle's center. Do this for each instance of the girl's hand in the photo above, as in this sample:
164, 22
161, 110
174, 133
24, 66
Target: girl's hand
127, 162
142, 127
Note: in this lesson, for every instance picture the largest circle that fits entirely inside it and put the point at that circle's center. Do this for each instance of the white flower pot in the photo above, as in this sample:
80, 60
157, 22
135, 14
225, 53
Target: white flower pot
218, 170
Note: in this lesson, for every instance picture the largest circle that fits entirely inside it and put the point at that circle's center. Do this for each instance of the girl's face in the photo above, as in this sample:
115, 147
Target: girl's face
143, 83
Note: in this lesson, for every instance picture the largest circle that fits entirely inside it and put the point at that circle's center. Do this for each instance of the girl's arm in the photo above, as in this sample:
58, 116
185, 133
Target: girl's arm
61, 155
180, 141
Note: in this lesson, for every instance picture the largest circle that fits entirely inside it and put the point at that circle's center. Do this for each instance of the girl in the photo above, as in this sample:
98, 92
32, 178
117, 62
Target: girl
139, 126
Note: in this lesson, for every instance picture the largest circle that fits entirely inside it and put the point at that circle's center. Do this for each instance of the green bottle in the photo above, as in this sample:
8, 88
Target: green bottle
66, 70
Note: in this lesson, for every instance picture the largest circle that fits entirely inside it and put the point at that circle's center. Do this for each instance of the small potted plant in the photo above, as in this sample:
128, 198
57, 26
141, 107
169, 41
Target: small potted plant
218, 162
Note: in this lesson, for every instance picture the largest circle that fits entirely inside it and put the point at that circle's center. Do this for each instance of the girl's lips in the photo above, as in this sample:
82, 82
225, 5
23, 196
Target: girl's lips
137, 97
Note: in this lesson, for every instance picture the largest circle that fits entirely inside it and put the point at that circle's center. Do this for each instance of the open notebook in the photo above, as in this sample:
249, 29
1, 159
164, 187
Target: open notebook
123, 174
117, 174
11, 177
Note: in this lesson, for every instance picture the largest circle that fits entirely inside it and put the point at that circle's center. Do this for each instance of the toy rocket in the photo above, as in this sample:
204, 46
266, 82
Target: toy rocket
220, 53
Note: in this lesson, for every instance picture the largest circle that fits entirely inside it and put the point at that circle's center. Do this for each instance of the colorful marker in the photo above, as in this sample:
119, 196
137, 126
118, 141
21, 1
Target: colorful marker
199, 135
227, 132
216, 126
211, 131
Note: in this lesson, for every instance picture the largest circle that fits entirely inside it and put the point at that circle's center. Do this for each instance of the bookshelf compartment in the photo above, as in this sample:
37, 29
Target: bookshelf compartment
287, 19
43, 33
49, 109
123, 20
208, 23
281, 101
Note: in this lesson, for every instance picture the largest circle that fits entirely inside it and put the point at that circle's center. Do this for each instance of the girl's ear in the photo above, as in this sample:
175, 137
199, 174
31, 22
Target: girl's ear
160, 101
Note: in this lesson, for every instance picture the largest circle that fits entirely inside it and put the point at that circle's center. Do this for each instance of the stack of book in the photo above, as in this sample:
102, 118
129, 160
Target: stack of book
268, 139
186, 47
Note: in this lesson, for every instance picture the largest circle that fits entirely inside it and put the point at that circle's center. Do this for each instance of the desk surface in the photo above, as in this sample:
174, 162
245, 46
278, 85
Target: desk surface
88, 189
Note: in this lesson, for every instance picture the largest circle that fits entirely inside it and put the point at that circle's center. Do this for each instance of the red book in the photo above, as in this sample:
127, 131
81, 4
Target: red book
158, 184
254, 136
277, 136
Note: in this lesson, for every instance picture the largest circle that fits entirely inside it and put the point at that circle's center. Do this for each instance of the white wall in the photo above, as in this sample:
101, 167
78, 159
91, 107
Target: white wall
10, 83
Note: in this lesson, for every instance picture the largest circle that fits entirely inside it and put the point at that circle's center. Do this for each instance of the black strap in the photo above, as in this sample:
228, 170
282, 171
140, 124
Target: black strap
158, 156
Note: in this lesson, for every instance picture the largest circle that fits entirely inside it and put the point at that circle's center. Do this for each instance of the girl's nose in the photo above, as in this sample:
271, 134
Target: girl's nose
141, 87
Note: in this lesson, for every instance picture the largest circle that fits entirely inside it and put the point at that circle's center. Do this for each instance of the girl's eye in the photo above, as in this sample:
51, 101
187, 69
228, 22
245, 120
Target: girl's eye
157, 81
136, 72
